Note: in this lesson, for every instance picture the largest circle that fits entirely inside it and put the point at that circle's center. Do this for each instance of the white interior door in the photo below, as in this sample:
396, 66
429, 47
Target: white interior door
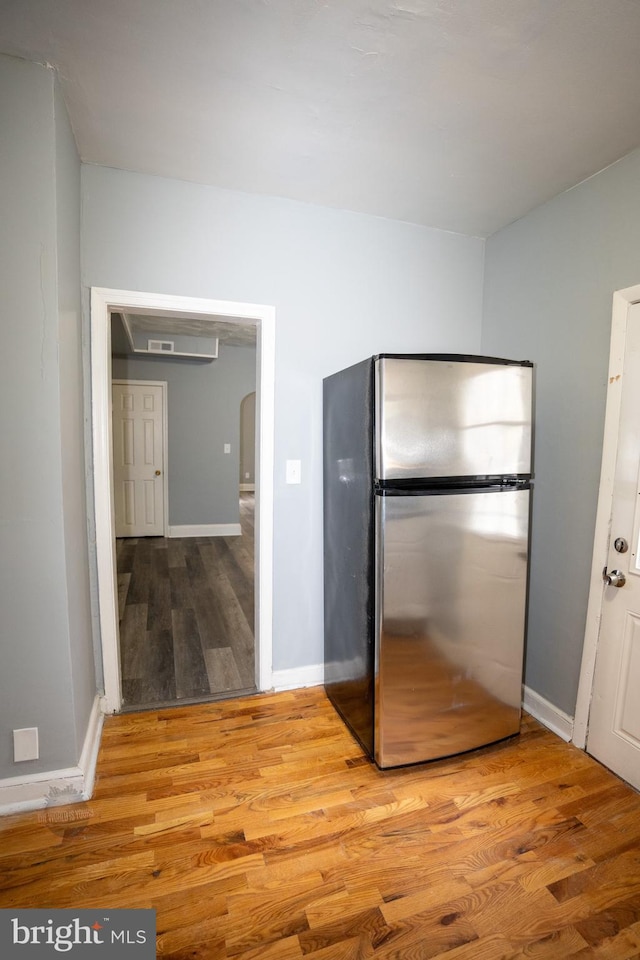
138, 458
614, 717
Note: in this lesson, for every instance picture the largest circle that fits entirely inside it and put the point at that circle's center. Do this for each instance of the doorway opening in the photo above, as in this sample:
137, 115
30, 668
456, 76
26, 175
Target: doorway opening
104, 303
247, 443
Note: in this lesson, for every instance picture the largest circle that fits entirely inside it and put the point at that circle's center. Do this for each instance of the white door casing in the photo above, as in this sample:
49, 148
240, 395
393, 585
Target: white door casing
608, 708
104, 301
139, 417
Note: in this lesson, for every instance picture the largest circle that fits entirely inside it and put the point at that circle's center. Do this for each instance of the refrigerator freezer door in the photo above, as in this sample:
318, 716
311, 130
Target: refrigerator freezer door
451, 571
448, 418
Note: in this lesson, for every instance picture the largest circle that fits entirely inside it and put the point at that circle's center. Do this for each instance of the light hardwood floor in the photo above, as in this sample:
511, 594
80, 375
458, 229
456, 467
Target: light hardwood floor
258, 831
187, 615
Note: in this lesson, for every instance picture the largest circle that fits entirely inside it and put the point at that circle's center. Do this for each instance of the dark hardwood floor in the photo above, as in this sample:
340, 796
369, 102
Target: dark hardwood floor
186, 611
257, 831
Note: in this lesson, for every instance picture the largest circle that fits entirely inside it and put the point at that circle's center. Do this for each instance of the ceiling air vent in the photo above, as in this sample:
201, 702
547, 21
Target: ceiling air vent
160, 346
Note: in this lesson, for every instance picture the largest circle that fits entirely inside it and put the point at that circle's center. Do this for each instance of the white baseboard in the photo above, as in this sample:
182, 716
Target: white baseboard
309, 676
247, 487
56, 787
205, 530
549, 715
89, 755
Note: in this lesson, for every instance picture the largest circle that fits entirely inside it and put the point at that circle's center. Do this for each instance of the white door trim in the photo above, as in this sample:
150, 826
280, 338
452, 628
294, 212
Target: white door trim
622, 301
165, 443
103, 302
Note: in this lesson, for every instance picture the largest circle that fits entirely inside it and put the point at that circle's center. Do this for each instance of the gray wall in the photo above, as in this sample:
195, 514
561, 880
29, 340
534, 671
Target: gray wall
204, 413
549, 284
344, 286
72, 416
46, 675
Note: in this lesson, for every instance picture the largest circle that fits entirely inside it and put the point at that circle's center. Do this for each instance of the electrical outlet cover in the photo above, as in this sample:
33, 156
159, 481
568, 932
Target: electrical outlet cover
25, 744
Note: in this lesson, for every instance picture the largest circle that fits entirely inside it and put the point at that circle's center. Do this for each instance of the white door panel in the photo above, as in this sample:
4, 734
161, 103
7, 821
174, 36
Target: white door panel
138, 458
614, 717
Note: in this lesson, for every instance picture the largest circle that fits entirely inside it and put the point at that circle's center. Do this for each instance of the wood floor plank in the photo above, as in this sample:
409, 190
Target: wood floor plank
176, 553
124, 579
624, 945
236, 619
222, 669
601, 926
133, 635
159, 591
223, 554
368, 928
180, 586
494, 947
255, 829
431, 933
140, 572
157, 684
190, 667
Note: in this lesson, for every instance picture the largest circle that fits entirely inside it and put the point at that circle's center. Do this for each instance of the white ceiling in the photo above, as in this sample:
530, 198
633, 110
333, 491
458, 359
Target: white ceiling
458, 114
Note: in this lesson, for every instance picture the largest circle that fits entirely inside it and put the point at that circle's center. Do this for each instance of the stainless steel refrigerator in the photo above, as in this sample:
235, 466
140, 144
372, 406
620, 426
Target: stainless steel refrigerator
427, 487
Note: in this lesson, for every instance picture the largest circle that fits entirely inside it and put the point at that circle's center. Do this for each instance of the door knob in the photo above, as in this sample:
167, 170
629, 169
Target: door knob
614, 579
158, 473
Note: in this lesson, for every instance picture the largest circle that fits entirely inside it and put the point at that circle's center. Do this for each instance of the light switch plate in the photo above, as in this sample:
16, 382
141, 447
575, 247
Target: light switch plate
293, 474
227, 448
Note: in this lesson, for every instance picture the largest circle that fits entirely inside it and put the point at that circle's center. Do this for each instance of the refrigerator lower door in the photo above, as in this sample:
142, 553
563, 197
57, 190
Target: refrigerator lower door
452, 580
